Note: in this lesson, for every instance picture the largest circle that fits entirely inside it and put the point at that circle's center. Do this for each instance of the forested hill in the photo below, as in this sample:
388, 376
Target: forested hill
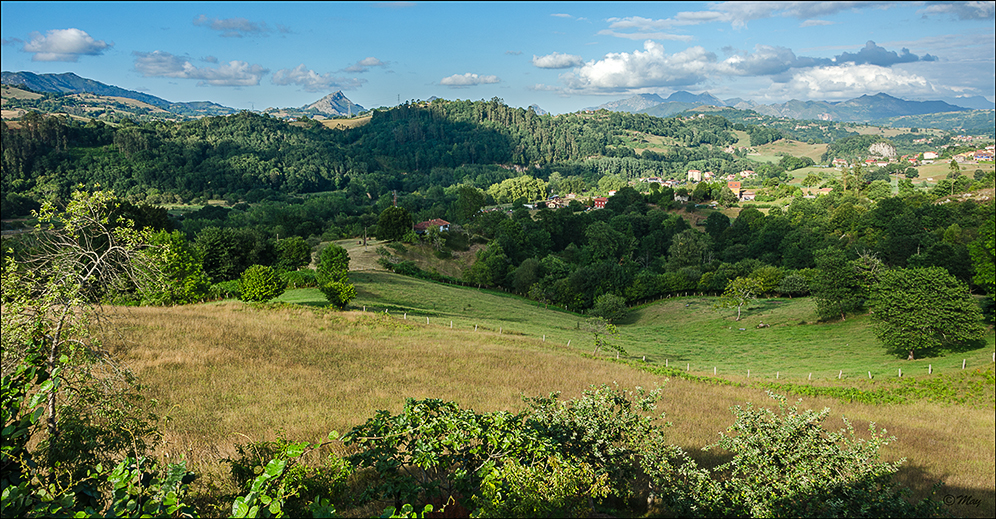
410, 147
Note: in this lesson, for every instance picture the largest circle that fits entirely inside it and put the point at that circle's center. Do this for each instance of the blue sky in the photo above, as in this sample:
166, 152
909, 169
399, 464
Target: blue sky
563, 56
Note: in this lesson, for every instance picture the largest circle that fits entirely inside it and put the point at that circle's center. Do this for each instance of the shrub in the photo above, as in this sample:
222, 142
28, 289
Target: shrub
260, 283
300, 278
785, 464
338, 293
609, 307
557, 488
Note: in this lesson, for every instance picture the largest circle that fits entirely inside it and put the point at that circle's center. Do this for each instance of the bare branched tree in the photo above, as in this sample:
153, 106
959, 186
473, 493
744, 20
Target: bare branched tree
52, 295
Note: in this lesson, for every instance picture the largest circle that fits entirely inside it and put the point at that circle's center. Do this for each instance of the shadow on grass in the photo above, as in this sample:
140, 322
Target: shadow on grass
943, 350
959, 501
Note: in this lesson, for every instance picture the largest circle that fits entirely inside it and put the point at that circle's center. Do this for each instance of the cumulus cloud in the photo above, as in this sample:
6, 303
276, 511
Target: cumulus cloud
164, 64
963, 10
650, 68
767, 60
64, 45
311, 81
467, 80
874, 55
561, 15
364, 65
849, 81
557, 60
233, 27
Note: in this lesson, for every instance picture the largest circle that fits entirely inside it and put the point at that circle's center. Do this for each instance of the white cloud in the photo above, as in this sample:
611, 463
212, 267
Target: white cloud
849, 81
974, 10
233, 27
561, 15
557, 60
767, 60
312, 81
468, 79
815, 23
651, 68
364, 65
164, 64
64, 45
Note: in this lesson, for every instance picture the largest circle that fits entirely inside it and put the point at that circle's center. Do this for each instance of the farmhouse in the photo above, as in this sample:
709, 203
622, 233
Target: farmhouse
600, 202
422, 227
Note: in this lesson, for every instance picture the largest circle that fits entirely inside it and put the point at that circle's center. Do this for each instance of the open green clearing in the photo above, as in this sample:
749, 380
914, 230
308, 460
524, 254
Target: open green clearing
683, 332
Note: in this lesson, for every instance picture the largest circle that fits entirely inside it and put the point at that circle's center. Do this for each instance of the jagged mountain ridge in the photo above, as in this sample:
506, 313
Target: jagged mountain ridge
335, 104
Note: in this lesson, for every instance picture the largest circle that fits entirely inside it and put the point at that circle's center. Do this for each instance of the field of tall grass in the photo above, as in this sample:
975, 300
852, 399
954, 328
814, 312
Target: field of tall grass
686, 332
225, 373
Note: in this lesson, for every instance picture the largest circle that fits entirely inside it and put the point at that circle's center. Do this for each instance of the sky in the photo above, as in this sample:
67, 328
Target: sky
561, 56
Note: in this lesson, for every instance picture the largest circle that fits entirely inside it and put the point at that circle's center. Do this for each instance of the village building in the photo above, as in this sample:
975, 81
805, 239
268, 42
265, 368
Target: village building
600, 202
694, 175
423, 227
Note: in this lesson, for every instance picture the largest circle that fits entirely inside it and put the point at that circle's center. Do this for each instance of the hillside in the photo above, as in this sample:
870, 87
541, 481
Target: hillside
249, 371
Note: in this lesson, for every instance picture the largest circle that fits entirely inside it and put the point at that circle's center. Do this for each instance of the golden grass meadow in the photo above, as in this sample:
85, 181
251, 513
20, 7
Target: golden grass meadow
226, 373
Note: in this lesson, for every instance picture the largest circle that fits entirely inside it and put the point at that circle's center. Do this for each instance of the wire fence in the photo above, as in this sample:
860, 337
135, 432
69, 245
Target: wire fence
714, 369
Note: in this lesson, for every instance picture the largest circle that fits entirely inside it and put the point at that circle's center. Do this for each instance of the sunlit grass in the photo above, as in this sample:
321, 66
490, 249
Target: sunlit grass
684, 331
228, 372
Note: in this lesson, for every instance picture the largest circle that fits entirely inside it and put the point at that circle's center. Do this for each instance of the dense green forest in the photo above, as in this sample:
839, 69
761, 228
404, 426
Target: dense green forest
449, 159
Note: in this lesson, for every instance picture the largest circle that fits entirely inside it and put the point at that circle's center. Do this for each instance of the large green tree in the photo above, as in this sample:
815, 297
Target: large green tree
923, 309
836, 287
393, 223
983, 251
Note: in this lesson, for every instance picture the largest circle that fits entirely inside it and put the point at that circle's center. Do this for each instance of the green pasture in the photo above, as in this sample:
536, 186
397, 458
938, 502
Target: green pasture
681, 332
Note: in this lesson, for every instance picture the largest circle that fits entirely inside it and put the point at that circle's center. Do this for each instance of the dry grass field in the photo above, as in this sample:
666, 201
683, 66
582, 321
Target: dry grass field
344, 124
227, 372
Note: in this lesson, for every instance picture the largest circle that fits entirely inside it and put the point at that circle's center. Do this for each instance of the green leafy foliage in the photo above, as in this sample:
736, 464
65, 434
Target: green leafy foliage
332, 275
278, 484
178, 277
609, 307
292, 253
260, 283
557, 488
393, 223
924, 309
836, 286
784, 463
739, 293
338, 294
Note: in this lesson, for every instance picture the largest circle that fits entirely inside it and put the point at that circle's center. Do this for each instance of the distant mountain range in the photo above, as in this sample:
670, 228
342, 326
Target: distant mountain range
334, 104
69, 83
866, 108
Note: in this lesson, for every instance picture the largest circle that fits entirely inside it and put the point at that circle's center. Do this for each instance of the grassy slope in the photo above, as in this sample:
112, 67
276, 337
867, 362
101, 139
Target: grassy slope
683, 331
227, 372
